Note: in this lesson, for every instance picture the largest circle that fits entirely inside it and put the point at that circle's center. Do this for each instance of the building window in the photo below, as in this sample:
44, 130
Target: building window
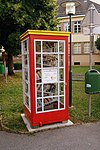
66, 26
86, 48
97, 63
59, 27
76, 63
77, 48
77, 26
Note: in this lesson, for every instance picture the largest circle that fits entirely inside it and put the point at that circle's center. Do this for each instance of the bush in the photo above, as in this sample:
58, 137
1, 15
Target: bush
17, 66
97, 43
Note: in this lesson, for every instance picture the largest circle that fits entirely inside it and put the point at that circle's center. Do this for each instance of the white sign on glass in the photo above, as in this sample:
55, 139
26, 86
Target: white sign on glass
49, 75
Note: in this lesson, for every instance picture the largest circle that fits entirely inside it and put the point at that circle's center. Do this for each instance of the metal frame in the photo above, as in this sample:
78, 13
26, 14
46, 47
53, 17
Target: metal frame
58, 53
23, 73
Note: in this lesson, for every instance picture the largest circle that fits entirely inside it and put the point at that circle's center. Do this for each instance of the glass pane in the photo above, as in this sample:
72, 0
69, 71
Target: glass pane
39, 104
39, 90
61, 60
62, 102
38, 60
61, 88
49, 46
26, 88
61, 72
27, 100
38, 46
50, 103
38, 76
25, 49
61, 46
25, 60
50, 60
26, 74
50, 89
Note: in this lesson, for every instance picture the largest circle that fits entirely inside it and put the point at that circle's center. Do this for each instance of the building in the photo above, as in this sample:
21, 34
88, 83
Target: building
80, 42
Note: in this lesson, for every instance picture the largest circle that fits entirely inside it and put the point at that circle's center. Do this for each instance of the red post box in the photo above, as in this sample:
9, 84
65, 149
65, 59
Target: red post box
45, 76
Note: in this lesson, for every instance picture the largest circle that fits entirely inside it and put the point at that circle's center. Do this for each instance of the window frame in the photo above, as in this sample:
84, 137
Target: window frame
66, 26
77, 51
77, 25
86, 48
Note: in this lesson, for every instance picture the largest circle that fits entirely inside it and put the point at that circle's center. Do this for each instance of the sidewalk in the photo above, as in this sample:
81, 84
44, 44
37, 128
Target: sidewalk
78, 137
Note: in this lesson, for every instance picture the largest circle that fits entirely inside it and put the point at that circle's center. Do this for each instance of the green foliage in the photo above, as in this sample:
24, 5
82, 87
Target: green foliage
13, 43
16, 16
97, 43
46, 12
17, 66
13, 18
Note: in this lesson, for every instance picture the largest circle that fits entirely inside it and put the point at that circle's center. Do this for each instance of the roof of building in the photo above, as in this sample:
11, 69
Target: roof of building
80, 10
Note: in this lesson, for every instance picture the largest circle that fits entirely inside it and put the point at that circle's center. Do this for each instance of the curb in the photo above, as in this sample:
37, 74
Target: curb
45, 127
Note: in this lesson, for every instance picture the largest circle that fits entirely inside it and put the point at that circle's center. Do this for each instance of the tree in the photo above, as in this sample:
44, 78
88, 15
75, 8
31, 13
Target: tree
97, 43
12, 19
16, 16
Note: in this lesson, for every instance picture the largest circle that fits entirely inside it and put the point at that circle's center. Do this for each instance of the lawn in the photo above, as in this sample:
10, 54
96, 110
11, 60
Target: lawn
79, 113
83, 69
11, 102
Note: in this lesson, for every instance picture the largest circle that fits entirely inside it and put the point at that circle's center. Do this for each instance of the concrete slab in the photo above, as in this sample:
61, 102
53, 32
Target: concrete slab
45, 127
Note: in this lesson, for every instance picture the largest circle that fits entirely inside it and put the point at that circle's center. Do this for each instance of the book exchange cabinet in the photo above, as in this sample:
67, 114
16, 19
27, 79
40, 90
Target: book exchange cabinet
45, 76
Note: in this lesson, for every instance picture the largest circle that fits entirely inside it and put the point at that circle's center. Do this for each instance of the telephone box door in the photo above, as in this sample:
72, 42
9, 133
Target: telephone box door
50, 79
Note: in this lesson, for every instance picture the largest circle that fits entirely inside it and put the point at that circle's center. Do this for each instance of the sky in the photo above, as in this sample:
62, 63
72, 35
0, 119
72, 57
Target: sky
96, 1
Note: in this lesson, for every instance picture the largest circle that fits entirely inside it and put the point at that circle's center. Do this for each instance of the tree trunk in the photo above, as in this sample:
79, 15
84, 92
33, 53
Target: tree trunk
10, 64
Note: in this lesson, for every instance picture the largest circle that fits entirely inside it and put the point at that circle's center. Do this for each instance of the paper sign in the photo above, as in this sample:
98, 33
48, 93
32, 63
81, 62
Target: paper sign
49, 75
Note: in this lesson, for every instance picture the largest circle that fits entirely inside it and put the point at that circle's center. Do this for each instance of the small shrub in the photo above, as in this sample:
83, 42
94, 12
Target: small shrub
17, 66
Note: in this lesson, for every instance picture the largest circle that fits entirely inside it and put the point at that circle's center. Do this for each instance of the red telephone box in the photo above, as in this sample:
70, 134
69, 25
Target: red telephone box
45, 76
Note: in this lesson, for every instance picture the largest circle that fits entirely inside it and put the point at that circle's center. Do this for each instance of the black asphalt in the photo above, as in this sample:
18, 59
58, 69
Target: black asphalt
78, 137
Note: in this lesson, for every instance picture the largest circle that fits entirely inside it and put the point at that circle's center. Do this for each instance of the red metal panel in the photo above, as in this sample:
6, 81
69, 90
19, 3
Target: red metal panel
66, 74
47, 37
28, 114
32, 76
50, 117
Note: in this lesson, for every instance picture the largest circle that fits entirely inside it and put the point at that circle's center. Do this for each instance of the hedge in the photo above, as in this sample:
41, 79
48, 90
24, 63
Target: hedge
18, 66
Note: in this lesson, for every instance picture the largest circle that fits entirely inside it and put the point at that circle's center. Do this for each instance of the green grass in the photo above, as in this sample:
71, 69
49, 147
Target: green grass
83, 69
79, 113
11, 102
